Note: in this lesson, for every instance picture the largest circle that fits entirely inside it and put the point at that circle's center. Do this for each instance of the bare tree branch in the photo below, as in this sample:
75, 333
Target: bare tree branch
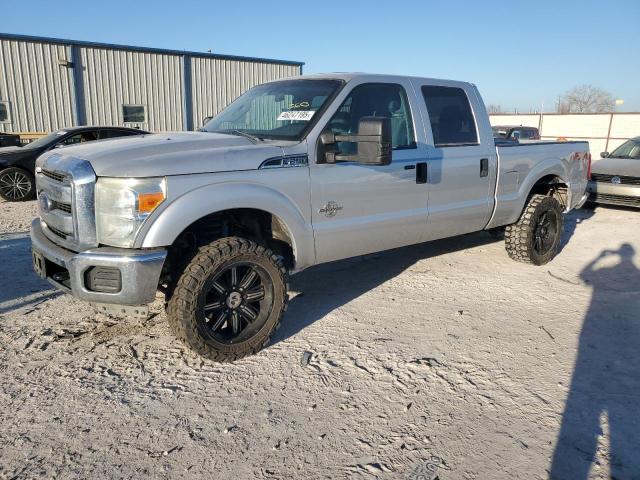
586, 99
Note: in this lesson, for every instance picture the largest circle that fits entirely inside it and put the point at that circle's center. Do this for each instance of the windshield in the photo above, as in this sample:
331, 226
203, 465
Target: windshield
46, 140
629, 149
280, 110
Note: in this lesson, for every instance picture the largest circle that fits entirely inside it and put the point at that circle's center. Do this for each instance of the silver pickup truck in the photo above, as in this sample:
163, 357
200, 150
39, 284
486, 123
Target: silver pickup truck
294, 173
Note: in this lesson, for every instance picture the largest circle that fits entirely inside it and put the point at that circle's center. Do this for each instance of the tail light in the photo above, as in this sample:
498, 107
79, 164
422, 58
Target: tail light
589, 166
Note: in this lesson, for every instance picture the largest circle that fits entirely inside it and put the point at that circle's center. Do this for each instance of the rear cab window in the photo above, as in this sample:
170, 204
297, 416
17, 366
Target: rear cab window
451, 116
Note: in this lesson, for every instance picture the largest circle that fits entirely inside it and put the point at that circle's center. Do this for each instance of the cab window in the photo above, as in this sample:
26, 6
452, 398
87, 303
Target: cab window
374, 100
451, 117
89, 136
104, 134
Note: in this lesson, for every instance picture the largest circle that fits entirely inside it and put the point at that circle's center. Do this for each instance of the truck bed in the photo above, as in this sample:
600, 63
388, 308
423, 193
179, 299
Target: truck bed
521, 164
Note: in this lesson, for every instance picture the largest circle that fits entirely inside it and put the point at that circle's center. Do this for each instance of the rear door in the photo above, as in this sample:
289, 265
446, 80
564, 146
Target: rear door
361, 208
461, 159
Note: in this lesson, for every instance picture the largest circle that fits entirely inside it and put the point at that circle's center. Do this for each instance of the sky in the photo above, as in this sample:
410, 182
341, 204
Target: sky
521, 54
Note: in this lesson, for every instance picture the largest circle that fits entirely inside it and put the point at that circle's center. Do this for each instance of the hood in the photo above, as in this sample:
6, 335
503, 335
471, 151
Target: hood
171, 154
10, 155
628, 167
6, 150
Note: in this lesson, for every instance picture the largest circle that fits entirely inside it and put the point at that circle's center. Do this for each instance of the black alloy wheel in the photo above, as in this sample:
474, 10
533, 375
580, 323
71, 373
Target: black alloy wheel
236, 302
545, 232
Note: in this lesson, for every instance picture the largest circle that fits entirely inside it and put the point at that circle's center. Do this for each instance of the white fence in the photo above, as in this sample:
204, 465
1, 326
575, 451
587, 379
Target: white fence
603, 131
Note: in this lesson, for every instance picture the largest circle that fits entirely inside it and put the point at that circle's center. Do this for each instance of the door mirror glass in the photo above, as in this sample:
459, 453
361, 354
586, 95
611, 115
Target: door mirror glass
373, 143
604, 154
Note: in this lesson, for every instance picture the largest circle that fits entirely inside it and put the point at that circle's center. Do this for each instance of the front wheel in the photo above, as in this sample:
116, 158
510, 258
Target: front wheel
229, 300
535, 237
16, 185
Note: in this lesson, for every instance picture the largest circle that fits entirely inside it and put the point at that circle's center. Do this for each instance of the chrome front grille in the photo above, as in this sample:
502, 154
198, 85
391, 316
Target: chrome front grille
623, 200
63, 207
65, 188
622, 179
57, 176
57, 232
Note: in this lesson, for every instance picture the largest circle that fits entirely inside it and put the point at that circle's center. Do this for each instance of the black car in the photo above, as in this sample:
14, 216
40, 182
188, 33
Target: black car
17, 164
512, 133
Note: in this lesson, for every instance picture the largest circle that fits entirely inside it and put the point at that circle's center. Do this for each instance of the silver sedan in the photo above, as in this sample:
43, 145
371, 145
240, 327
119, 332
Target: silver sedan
615, 179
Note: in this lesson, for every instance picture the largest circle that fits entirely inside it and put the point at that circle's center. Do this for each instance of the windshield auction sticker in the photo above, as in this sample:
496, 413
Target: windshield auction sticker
304, 115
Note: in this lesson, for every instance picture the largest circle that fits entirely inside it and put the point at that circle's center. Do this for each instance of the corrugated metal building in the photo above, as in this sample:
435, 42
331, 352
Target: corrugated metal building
48, 83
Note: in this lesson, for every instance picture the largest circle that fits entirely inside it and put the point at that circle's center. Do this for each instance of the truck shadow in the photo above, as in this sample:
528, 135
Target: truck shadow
329, 286
571, 222
20, 285
606, 376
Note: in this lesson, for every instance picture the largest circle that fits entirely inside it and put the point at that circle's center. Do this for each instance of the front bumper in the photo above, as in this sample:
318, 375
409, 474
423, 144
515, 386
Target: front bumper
614, 194
66, 270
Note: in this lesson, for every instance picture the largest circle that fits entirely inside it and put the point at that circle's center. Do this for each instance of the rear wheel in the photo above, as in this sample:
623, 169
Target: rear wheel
229, 300
16, 185
535, 237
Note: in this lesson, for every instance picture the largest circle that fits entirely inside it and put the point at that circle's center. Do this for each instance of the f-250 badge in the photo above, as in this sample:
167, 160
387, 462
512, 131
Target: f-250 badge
330, 209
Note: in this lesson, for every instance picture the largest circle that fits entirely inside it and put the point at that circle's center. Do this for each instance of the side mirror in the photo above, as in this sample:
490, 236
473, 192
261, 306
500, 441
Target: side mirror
604, 154
373, 141
205, 120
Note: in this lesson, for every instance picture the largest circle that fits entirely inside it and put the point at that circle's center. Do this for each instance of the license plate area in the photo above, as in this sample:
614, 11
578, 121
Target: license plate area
39, 264
47, 269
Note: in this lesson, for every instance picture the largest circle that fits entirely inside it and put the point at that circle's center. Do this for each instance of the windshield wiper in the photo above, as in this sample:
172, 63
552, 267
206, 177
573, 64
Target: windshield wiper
253, 138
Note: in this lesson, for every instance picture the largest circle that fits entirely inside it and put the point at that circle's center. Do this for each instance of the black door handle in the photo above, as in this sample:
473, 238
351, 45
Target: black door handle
484, 167
421, 172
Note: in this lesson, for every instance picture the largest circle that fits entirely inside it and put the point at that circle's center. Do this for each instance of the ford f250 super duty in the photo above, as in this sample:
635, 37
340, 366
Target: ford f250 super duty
293, 173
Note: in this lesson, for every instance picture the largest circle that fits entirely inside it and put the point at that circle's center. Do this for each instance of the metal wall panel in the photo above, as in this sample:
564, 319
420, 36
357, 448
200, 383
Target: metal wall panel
625, 126
217, 82
54, 83
113, 78
524, 120
37, 86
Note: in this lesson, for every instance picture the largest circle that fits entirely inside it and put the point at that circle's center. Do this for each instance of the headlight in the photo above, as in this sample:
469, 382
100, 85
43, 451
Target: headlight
123, 204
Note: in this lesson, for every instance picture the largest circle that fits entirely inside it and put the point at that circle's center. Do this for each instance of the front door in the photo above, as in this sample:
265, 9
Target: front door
358, 208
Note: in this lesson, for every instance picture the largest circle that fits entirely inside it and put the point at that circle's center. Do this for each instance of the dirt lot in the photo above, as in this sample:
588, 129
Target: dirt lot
446, 356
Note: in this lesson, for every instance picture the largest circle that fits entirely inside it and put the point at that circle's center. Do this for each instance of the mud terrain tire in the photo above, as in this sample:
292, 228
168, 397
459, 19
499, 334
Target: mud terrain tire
535, 237
229, 300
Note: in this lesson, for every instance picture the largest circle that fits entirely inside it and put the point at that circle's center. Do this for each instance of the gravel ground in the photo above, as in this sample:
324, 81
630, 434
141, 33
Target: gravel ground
445, 357
15, 217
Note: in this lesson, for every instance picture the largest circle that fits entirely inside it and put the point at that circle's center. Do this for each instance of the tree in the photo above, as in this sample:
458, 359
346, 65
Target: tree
586, 99
492, 108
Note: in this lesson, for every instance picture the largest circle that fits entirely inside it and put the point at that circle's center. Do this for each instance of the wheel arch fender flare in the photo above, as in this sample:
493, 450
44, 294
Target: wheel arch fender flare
549, 167
165, 226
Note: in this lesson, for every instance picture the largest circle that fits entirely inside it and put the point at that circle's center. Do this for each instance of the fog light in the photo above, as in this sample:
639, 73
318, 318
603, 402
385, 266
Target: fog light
103, 279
